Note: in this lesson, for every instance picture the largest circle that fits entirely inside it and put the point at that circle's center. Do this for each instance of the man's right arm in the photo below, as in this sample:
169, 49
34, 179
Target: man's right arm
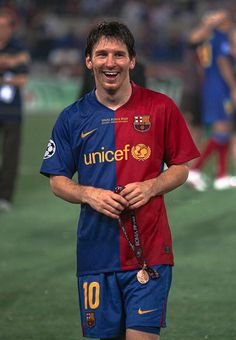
8, 61
103, 201
203, 31
13, 61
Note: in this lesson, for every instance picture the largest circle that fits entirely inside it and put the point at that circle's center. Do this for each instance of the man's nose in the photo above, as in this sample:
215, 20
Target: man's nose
110, 60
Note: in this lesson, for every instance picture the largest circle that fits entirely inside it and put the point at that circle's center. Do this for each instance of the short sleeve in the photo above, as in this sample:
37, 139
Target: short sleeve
179, 145
58, 158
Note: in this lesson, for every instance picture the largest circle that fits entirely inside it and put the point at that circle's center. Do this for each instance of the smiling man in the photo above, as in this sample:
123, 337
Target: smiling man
118, 138
110, 64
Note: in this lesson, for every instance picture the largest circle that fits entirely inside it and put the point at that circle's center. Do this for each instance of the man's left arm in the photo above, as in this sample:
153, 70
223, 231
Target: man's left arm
139, 193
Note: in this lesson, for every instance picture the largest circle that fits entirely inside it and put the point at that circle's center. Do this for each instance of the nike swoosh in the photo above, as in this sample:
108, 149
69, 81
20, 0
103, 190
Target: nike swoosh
141, 312
85, 134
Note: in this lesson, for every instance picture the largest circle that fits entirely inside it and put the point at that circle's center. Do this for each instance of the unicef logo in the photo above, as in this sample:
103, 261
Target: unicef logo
141, 152
51, 149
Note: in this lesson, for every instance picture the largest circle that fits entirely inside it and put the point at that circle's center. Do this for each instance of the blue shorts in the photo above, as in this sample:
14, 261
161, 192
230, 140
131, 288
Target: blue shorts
110, 303
217, 109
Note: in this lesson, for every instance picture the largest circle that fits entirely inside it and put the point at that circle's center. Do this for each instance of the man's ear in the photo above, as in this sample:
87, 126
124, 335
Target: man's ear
132, 63
88, 62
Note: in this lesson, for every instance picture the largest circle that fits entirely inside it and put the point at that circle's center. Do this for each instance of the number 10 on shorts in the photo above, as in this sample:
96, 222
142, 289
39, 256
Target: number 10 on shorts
91, 295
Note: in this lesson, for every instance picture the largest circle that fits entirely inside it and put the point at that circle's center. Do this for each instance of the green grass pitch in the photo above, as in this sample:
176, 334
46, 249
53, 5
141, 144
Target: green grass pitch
38, 293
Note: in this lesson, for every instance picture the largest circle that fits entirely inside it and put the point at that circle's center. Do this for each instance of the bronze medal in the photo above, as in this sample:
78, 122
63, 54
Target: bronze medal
142, 276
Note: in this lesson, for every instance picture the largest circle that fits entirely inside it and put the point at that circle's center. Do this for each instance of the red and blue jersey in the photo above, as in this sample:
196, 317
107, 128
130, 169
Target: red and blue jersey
116, 147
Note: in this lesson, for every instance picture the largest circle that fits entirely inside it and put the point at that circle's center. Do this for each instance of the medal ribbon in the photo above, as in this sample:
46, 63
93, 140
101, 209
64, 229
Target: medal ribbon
136, 247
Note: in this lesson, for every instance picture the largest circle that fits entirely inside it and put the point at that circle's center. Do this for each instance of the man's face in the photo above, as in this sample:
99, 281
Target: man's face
5, 28
110, 63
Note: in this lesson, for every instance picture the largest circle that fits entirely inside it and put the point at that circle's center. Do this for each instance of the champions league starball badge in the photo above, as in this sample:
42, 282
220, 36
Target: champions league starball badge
50, 150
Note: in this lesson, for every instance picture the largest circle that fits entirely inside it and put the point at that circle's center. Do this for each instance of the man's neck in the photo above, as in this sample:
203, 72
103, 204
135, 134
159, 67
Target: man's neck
114, 100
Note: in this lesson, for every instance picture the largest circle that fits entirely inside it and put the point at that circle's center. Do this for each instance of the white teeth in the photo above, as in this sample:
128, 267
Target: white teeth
110, 73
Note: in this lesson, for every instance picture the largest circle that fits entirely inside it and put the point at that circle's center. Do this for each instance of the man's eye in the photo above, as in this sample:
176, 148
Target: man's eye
119, 55
101, 54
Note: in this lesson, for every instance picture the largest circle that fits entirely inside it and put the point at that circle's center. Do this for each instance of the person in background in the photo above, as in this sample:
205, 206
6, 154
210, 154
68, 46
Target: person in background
118, 138
218, 96
14, 61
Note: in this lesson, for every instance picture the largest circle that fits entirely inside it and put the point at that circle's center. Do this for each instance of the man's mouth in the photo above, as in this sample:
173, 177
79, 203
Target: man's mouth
110, 74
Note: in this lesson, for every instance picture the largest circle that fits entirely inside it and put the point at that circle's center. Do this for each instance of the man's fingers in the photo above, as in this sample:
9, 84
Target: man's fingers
121, 202
112, 204
134, 200
132, 194
110, 214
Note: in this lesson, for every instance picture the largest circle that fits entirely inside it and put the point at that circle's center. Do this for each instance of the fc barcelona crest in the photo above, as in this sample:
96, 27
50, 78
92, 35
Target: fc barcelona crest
90, 319
142, 123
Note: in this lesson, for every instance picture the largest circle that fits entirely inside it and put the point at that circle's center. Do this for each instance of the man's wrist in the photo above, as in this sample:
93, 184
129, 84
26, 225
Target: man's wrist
85, 194
154, 187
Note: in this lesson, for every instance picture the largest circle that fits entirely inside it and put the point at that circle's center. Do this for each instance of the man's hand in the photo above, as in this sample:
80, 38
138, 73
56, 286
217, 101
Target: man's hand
138, 193
214, 18
105, 201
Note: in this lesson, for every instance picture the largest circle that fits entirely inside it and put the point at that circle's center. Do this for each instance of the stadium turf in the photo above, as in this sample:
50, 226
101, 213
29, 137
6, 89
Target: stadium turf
38, 293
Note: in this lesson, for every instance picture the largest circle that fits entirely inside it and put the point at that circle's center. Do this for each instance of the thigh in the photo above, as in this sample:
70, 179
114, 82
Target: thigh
145, 304
132, 334
101, 306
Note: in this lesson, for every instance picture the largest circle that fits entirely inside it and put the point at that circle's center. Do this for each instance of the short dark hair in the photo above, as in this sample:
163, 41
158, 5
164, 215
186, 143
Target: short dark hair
112, 30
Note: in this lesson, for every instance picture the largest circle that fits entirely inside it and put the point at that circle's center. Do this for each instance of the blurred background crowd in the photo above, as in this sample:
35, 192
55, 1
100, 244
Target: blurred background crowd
55, 31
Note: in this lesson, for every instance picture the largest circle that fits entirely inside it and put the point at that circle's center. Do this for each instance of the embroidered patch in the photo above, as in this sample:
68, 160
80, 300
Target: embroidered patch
50, 150
142, 123
90, 319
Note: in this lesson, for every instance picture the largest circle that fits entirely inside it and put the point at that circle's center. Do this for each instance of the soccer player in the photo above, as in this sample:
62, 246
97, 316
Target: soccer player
14, 60
118, 138
218, 95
